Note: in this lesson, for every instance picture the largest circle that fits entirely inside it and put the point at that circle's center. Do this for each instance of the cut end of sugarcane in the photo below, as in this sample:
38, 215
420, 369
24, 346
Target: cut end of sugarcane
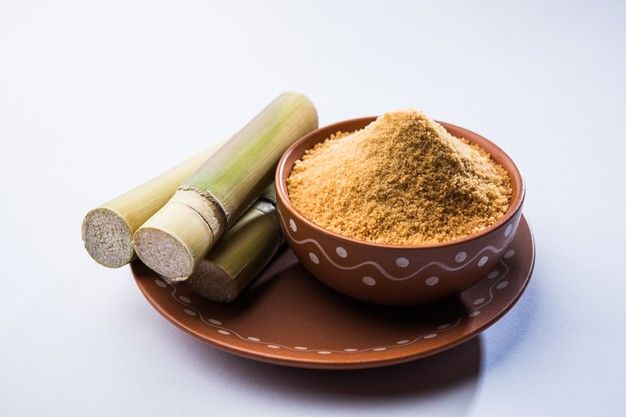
213, 283
163, 253
179, 235
107, 237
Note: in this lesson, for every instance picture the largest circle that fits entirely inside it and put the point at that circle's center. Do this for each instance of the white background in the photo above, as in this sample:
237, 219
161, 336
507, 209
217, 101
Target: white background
98, 96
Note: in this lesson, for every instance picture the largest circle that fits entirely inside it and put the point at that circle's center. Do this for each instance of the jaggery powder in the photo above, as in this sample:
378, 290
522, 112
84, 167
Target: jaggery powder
402, 180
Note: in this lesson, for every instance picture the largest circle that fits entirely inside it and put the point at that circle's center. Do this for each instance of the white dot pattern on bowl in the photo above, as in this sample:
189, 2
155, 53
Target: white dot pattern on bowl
502, 285
190, 312
369, 281
292, 225
462, 258
184, 299
479, 301
160, 283
431, 281
493, 274
402, 262
509, 254
341, 252
508, 230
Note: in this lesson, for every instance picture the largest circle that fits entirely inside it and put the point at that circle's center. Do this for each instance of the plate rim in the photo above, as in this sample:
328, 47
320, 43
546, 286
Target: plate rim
279, 359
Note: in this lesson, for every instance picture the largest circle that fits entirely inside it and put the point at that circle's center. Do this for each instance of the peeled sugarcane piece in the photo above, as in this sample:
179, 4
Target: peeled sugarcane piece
179, 236
241, 253
107, 231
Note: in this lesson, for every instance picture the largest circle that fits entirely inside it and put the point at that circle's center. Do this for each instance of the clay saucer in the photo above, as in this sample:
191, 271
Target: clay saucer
289, 318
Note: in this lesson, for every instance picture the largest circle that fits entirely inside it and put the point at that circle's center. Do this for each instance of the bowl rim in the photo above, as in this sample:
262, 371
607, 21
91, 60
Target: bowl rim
517, 199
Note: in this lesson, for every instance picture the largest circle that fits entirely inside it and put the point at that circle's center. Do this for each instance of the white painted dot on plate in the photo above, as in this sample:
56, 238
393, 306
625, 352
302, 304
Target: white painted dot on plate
483, 261
509, 254
493, 274
501, 285
460, 257
350, 350
273, 346
323, 352
474, 313
300, 348
402, 262
190, 312
430, 335
443, 326
254, 339
379, 349
369, 281
508, 230
479, 301
224, 332
314, 258
184, 299
341, 252
402, 342
430, 281
216, 322
292, 225
160, 283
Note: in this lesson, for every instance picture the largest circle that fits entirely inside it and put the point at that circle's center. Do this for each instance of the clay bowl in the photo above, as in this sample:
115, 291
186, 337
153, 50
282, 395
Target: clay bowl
395, 275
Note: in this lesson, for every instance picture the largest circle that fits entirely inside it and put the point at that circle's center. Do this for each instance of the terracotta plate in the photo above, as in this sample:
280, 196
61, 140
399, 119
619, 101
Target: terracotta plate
289, 318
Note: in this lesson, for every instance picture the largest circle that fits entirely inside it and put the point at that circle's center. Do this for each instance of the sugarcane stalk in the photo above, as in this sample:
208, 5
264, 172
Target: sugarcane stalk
180, 235
107, 231
241, 253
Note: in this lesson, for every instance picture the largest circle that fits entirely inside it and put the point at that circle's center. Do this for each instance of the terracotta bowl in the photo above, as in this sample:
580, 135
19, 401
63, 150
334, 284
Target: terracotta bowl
387, 274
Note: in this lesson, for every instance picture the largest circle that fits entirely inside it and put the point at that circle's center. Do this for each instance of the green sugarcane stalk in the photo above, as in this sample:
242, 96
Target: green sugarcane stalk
179, 236
241, 253
107, 230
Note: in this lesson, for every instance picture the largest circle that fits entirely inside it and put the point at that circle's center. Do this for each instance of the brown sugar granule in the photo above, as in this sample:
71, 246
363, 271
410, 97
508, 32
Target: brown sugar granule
402, 180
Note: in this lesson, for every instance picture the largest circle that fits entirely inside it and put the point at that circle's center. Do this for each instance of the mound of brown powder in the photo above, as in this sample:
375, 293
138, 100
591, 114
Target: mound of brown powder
402, 180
